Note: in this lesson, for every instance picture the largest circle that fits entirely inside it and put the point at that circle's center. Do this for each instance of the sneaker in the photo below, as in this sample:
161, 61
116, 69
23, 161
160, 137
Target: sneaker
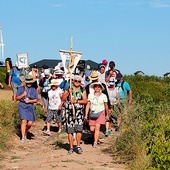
110, 132
99, 142
107, 133
95, 145
47, 132
79, 150
70, 151
23, 139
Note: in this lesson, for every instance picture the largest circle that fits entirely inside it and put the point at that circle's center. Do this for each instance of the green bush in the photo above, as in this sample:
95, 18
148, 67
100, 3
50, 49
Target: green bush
144, 140
9, 120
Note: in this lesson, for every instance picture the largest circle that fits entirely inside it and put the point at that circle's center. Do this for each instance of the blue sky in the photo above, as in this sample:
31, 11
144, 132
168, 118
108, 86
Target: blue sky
133, 33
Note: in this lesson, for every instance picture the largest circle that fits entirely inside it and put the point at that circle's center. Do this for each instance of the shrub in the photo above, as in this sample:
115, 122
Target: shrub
145, 135
9, 120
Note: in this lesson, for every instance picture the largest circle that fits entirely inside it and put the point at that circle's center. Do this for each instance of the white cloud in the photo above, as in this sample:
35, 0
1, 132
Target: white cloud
159, 4
150, 3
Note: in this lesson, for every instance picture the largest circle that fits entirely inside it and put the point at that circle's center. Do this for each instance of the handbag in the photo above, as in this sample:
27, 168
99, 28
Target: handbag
94, 115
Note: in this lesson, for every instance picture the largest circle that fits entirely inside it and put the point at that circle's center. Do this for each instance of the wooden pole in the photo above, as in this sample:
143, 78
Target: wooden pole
71, 48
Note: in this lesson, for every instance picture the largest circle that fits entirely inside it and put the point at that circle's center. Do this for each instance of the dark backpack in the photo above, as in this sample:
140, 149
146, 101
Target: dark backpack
122, 83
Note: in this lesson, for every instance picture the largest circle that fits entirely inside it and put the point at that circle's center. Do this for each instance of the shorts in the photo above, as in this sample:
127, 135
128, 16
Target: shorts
54, 115
15, 87
100, 120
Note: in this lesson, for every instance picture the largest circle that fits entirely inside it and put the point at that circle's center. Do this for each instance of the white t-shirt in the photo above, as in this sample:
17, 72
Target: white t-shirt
54, 98
97, 102
101, 77
112, 95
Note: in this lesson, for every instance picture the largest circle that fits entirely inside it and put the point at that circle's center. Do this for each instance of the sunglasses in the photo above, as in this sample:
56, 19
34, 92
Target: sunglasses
111, 81
98, 86
78, 81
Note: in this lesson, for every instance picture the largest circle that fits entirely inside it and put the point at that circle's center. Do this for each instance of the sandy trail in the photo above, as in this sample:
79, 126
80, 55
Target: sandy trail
39, 152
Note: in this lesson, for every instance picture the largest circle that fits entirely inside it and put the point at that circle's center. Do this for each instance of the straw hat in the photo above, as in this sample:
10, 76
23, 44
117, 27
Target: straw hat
94, 75
54, 82
29, 79
97, 83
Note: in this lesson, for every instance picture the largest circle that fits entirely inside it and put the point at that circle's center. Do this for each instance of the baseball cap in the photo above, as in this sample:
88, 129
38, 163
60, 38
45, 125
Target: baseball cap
104, 62
111, 64
119, 76
34, 66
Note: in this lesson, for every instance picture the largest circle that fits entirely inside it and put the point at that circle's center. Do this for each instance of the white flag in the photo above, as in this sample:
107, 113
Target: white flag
22, 59
70, 60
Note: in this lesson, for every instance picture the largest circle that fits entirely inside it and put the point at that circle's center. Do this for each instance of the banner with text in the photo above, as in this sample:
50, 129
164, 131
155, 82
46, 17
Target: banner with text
70, 60
22, 59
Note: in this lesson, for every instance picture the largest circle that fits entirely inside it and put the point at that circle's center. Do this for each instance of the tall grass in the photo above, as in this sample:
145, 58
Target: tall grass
10, 121
144, 141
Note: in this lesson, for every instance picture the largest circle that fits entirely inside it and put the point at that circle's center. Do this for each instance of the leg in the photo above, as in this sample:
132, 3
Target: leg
70, 139
59, 127
96, 133
48, 126
92, 129
23, 127
78, 138
107, 128
50, 114
28, 126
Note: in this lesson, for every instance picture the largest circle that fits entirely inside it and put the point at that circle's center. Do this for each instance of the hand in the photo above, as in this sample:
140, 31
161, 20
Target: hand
60, 106
27, 100
129, 102
45, 109
107, 117
85, 118
73, 101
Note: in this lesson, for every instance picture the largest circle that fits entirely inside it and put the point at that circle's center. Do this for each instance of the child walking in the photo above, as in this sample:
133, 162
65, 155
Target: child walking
53, 106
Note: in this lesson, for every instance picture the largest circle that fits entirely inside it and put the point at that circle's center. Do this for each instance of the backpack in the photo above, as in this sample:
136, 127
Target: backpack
45, 85
122, 83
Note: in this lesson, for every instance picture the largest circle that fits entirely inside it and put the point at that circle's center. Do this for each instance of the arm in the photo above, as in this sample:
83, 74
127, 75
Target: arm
130, 97
87, 110
61, 104
106, 93
22, 95
9, 80
65, 95
106, 109
84, 98
108, 74
46, 106
118, 98
31, 100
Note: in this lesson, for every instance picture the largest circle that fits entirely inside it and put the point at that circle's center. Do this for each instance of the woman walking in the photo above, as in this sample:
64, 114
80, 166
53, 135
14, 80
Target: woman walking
74, 100
97, 108
27, 96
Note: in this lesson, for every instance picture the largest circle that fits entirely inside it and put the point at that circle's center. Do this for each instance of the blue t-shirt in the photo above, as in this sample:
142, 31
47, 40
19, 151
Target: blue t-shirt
123, 92
15, 76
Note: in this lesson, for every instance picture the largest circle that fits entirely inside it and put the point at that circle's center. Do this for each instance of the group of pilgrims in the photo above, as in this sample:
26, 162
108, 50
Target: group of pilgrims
86, 99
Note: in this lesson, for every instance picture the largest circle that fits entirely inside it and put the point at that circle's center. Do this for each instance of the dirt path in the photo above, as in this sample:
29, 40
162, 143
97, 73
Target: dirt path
41, 152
